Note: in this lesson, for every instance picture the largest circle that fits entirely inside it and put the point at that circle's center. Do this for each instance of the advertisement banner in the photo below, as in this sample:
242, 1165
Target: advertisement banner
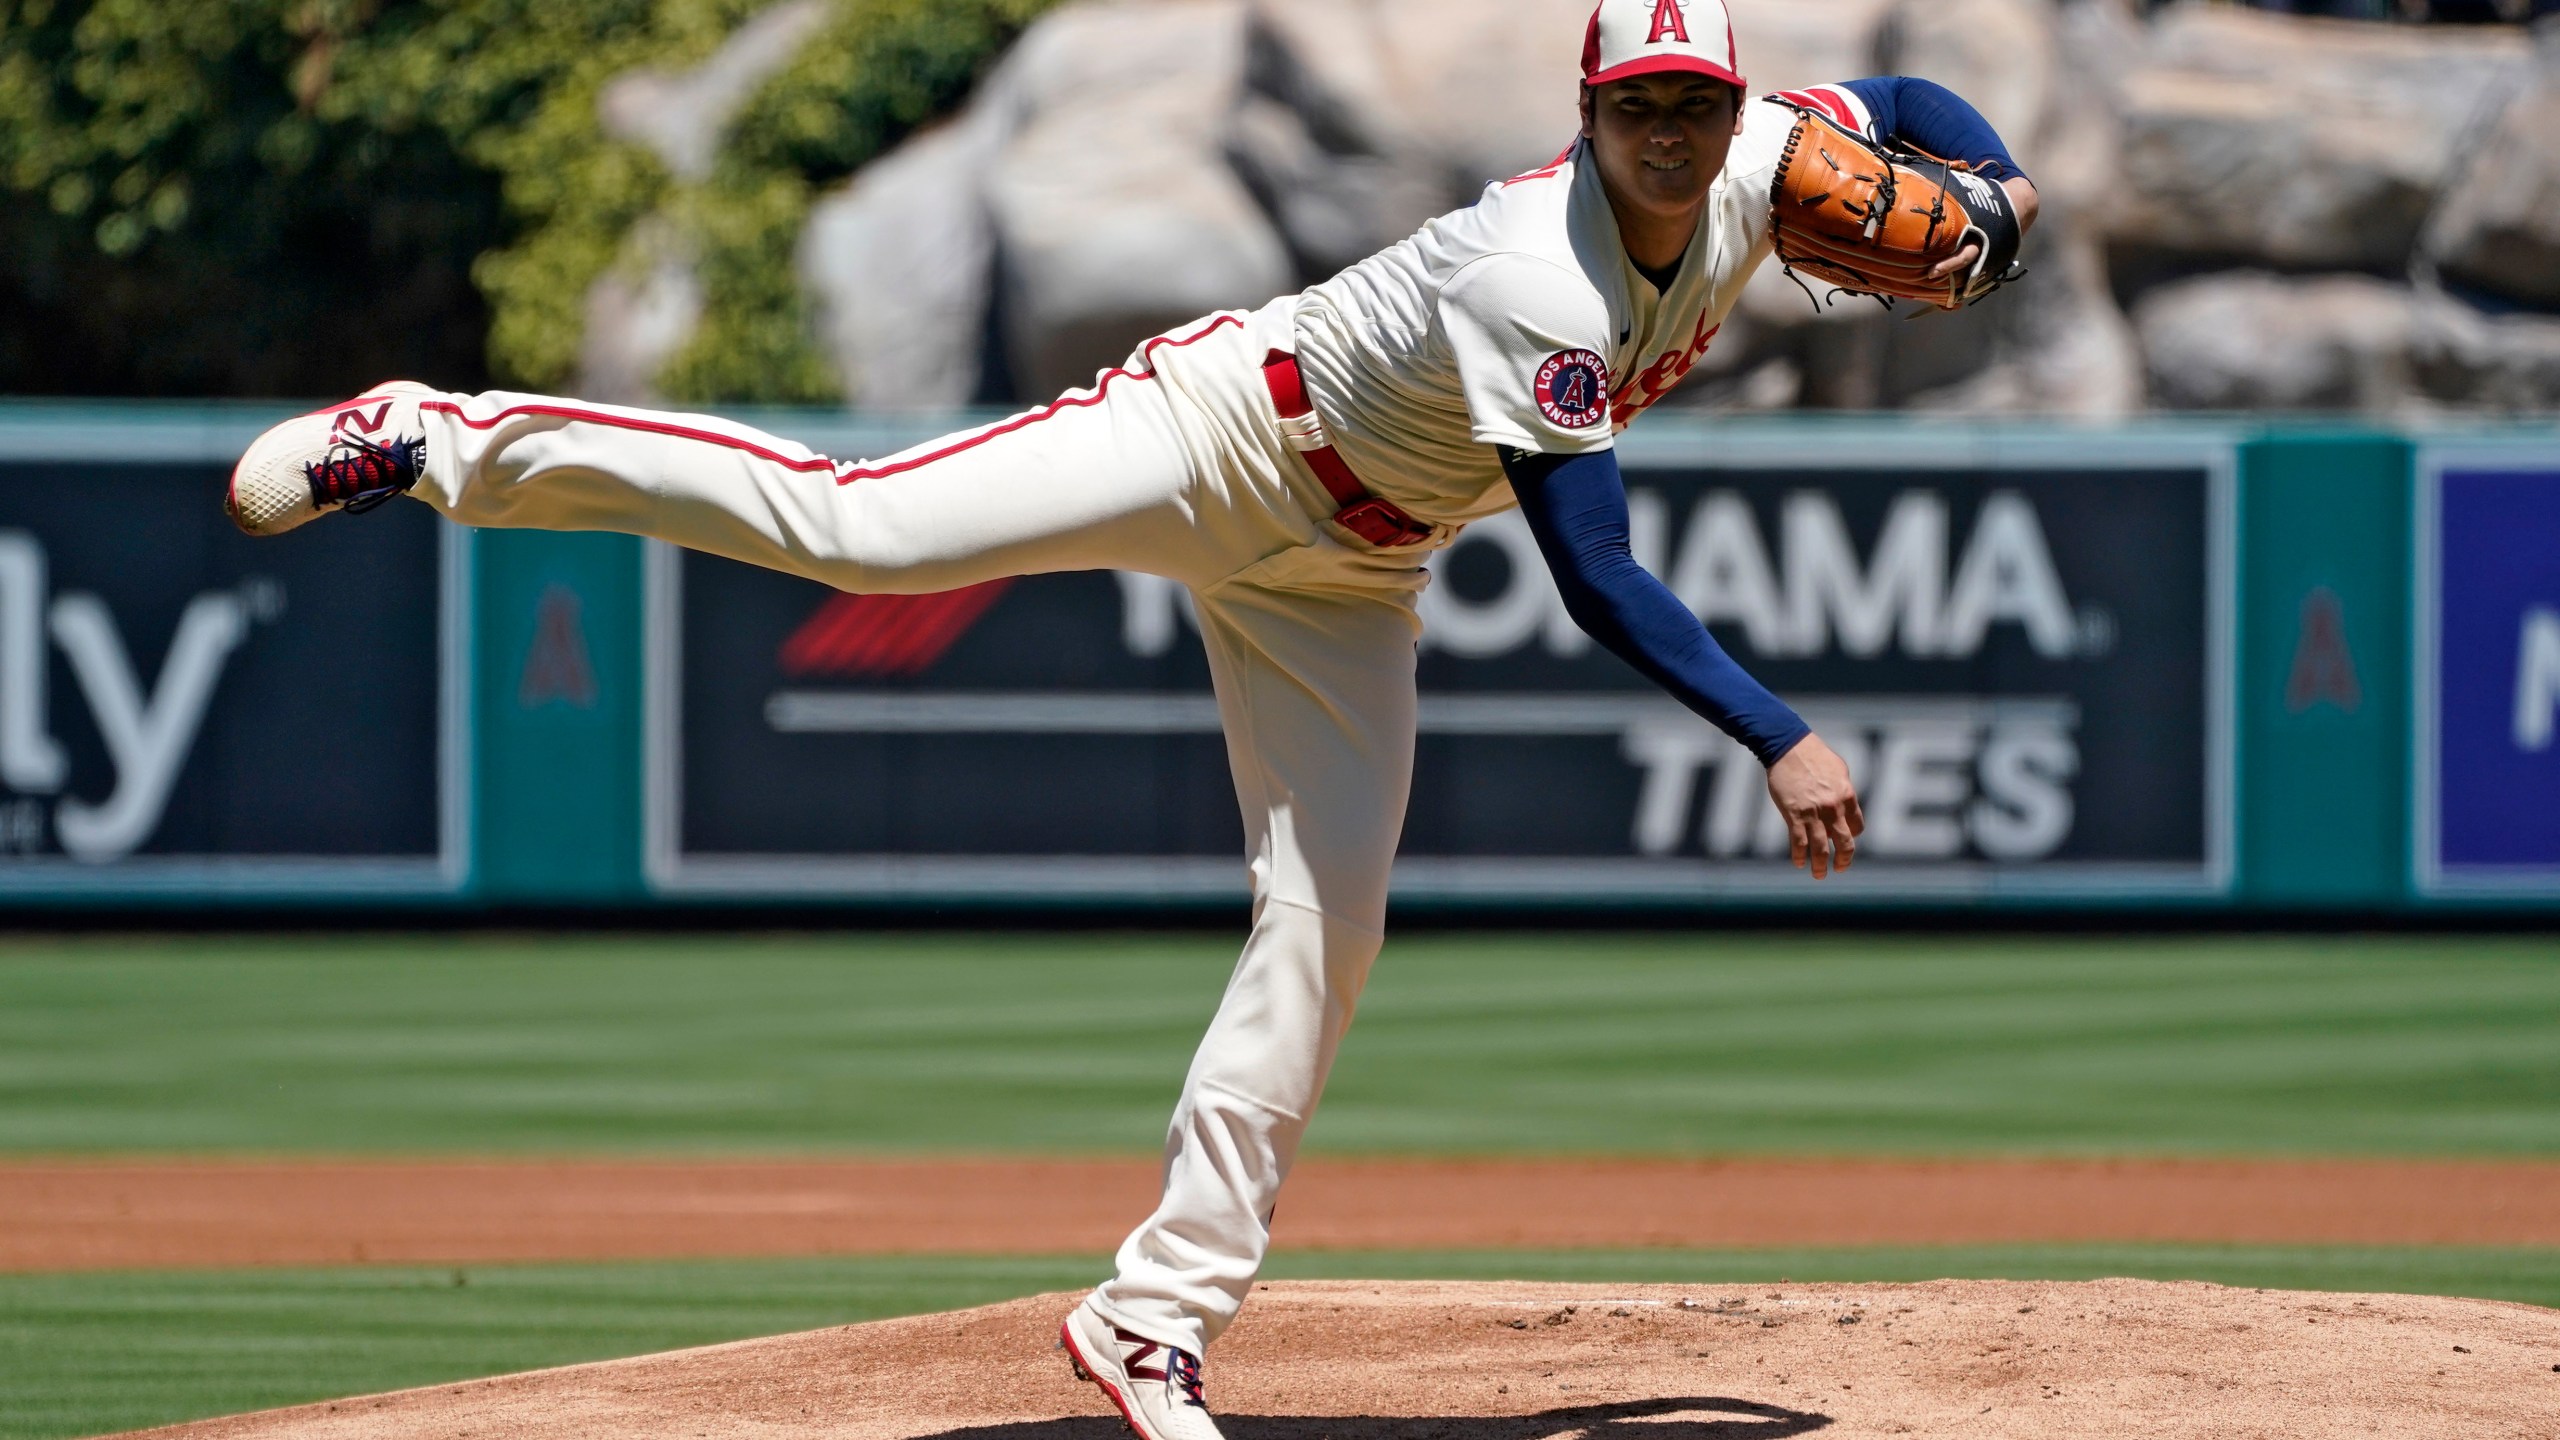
2020, 649
187, 711
2489, 684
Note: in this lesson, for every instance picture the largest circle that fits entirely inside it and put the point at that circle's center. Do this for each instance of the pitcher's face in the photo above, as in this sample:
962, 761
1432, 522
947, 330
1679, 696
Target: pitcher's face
1661, 139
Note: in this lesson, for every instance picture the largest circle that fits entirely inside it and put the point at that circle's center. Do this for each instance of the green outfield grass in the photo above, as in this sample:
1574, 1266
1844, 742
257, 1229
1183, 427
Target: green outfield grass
1524, 1043
82, 1354
1695, 1043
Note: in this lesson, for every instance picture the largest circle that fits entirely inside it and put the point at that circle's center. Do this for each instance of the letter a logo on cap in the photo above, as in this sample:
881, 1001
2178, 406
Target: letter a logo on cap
1628, 38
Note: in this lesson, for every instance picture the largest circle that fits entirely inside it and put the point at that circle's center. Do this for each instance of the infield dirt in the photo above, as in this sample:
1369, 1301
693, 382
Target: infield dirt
1428, 1361
79, 1215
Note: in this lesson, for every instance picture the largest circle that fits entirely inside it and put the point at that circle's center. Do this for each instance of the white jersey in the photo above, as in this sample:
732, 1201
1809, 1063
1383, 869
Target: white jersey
1521, 321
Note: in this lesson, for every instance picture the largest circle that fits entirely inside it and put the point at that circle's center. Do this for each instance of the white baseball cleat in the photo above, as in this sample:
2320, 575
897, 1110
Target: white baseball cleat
351, 456
1156, 1387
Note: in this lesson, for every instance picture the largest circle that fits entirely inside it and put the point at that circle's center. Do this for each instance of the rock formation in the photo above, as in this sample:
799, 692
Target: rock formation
2276, 201
2251, 340
2498, 227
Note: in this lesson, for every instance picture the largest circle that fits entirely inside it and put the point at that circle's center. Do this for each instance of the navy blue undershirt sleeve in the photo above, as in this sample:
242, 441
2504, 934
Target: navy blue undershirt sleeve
1577, 507
1928, 115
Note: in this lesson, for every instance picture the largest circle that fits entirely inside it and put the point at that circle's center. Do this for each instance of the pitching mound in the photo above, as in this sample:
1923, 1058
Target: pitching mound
1364, 1361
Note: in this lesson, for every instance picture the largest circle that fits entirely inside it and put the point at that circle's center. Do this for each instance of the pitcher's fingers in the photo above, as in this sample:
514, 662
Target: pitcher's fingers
1857, 815
1799, 845
1844, 841
1961, 261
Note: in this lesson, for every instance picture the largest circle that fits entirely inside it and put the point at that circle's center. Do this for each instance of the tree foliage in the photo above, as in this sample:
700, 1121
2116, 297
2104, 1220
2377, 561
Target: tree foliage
300, 196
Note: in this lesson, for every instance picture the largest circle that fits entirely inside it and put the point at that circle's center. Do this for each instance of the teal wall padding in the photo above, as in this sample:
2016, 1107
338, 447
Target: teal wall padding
2323, 765
557, 798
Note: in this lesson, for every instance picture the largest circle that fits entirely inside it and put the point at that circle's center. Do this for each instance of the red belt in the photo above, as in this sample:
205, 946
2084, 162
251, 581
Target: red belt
1382, 523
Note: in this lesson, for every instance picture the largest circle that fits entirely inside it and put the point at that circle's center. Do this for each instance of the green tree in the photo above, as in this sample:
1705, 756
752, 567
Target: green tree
188, 213
304, 196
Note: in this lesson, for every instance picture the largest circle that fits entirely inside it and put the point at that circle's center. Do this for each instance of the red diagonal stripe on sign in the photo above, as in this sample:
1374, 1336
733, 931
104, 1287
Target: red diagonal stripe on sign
841, 635
885, 634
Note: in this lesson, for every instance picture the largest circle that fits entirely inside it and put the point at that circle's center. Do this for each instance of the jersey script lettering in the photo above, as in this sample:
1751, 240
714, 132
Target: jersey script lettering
1667, 370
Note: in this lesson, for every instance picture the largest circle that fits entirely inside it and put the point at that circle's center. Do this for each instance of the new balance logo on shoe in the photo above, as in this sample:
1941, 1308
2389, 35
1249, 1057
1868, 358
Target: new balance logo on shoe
1156, 1387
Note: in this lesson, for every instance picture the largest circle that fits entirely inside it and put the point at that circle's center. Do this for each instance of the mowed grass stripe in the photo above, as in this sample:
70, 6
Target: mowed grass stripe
82, 1354
87, 1354
1514, 1043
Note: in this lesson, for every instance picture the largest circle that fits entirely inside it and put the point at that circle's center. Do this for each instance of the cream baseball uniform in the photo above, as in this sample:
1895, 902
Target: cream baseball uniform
1490, 326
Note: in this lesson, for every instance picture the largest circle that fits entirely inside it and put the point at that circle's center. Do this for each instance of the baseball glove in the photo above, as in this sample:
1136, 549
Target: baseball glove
1876, 219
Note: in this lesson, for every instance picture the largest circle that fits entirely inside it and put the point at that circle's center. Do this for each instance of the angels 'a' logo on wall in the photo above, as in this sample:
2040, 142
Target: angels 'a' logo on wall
1573, 389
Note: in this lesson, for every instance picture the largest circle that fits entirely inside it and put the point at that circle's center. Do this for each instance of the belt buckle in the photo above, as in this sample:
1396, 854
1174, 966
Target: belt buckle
1382, 523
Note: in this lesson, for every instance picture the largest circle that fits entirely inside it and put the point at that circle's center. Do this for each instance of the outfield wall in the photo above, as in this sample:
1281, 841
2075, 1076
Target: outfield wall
2193, 665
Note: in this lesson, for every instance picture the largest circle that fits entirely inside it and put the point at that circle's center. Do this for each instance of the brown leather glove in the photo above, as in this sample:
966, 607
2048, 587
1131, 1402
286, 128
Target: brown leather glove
1876, 219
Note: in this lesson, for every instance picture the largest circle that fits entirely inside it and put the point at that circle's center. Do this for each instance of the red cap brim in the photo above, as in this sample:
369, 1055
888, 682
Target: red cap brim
1666, 64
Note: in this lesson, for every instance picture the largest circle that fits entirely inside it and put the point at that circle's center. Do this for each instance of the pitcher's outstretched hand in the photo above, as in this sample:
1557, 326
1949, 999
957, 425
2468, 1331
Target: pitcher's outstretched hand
1810, 786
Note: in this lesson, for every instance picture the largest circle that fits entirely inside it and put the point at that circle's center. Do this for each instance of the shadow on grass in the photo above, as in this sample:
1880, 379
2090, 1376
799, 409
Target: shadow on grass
1703, 1417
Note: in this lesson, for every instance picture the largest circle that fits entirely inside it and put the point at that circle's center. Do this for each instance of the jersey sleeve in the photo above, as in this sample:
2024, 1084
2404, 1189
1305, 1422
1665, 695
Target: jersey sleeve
1749, 166
1530, 339
1576, 506
1917, 112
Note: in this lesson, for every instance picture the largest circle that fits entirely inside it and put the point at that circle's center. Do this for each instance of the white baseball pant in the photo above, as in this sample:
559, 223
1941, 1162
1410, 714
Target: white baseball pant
1175, 466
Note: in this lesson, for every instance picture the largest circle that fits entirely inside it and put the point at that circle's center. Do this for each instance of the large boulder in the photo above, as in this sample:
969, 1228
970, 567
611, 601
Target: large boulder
1365, 118
2300, 143
2249, 340
1789, 44
2499, 226
2257, 341
899, 266
2002, 55
2468, 359
1335, 199
1116, 212
1461, 91
1137, 162
2057, 342
1368, 117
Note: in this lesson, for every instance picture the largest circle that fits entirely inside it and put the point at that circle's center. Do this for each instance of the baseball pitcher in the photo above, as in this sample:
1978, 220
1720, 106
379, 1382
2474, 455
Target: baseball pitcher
1294, 466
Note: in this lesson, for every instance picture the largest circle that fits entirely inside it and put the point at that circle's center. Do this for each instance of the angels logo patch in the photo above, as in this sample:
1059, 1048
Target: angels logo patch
1573, 389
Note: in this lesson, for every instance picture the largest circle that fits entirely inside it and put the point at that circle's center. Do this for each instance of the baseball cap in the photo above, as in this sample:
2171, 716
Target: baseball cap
1648, 37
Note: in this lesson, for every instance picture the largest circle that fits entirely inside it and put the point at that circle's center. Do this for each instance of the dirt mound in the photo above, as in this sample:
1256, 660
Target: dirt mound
1355, 1360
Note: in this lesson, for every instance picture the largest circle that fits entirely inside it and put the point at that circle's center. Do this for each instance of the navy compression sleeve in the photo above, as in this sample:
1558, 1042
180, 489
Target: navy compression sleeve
1577, 507
1934, 118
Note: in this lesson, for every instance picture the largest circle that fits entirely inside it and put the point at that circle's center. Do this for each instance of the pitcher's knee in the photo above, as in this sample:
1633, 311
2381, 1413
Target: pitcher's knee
1343, 940
1286, 1007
